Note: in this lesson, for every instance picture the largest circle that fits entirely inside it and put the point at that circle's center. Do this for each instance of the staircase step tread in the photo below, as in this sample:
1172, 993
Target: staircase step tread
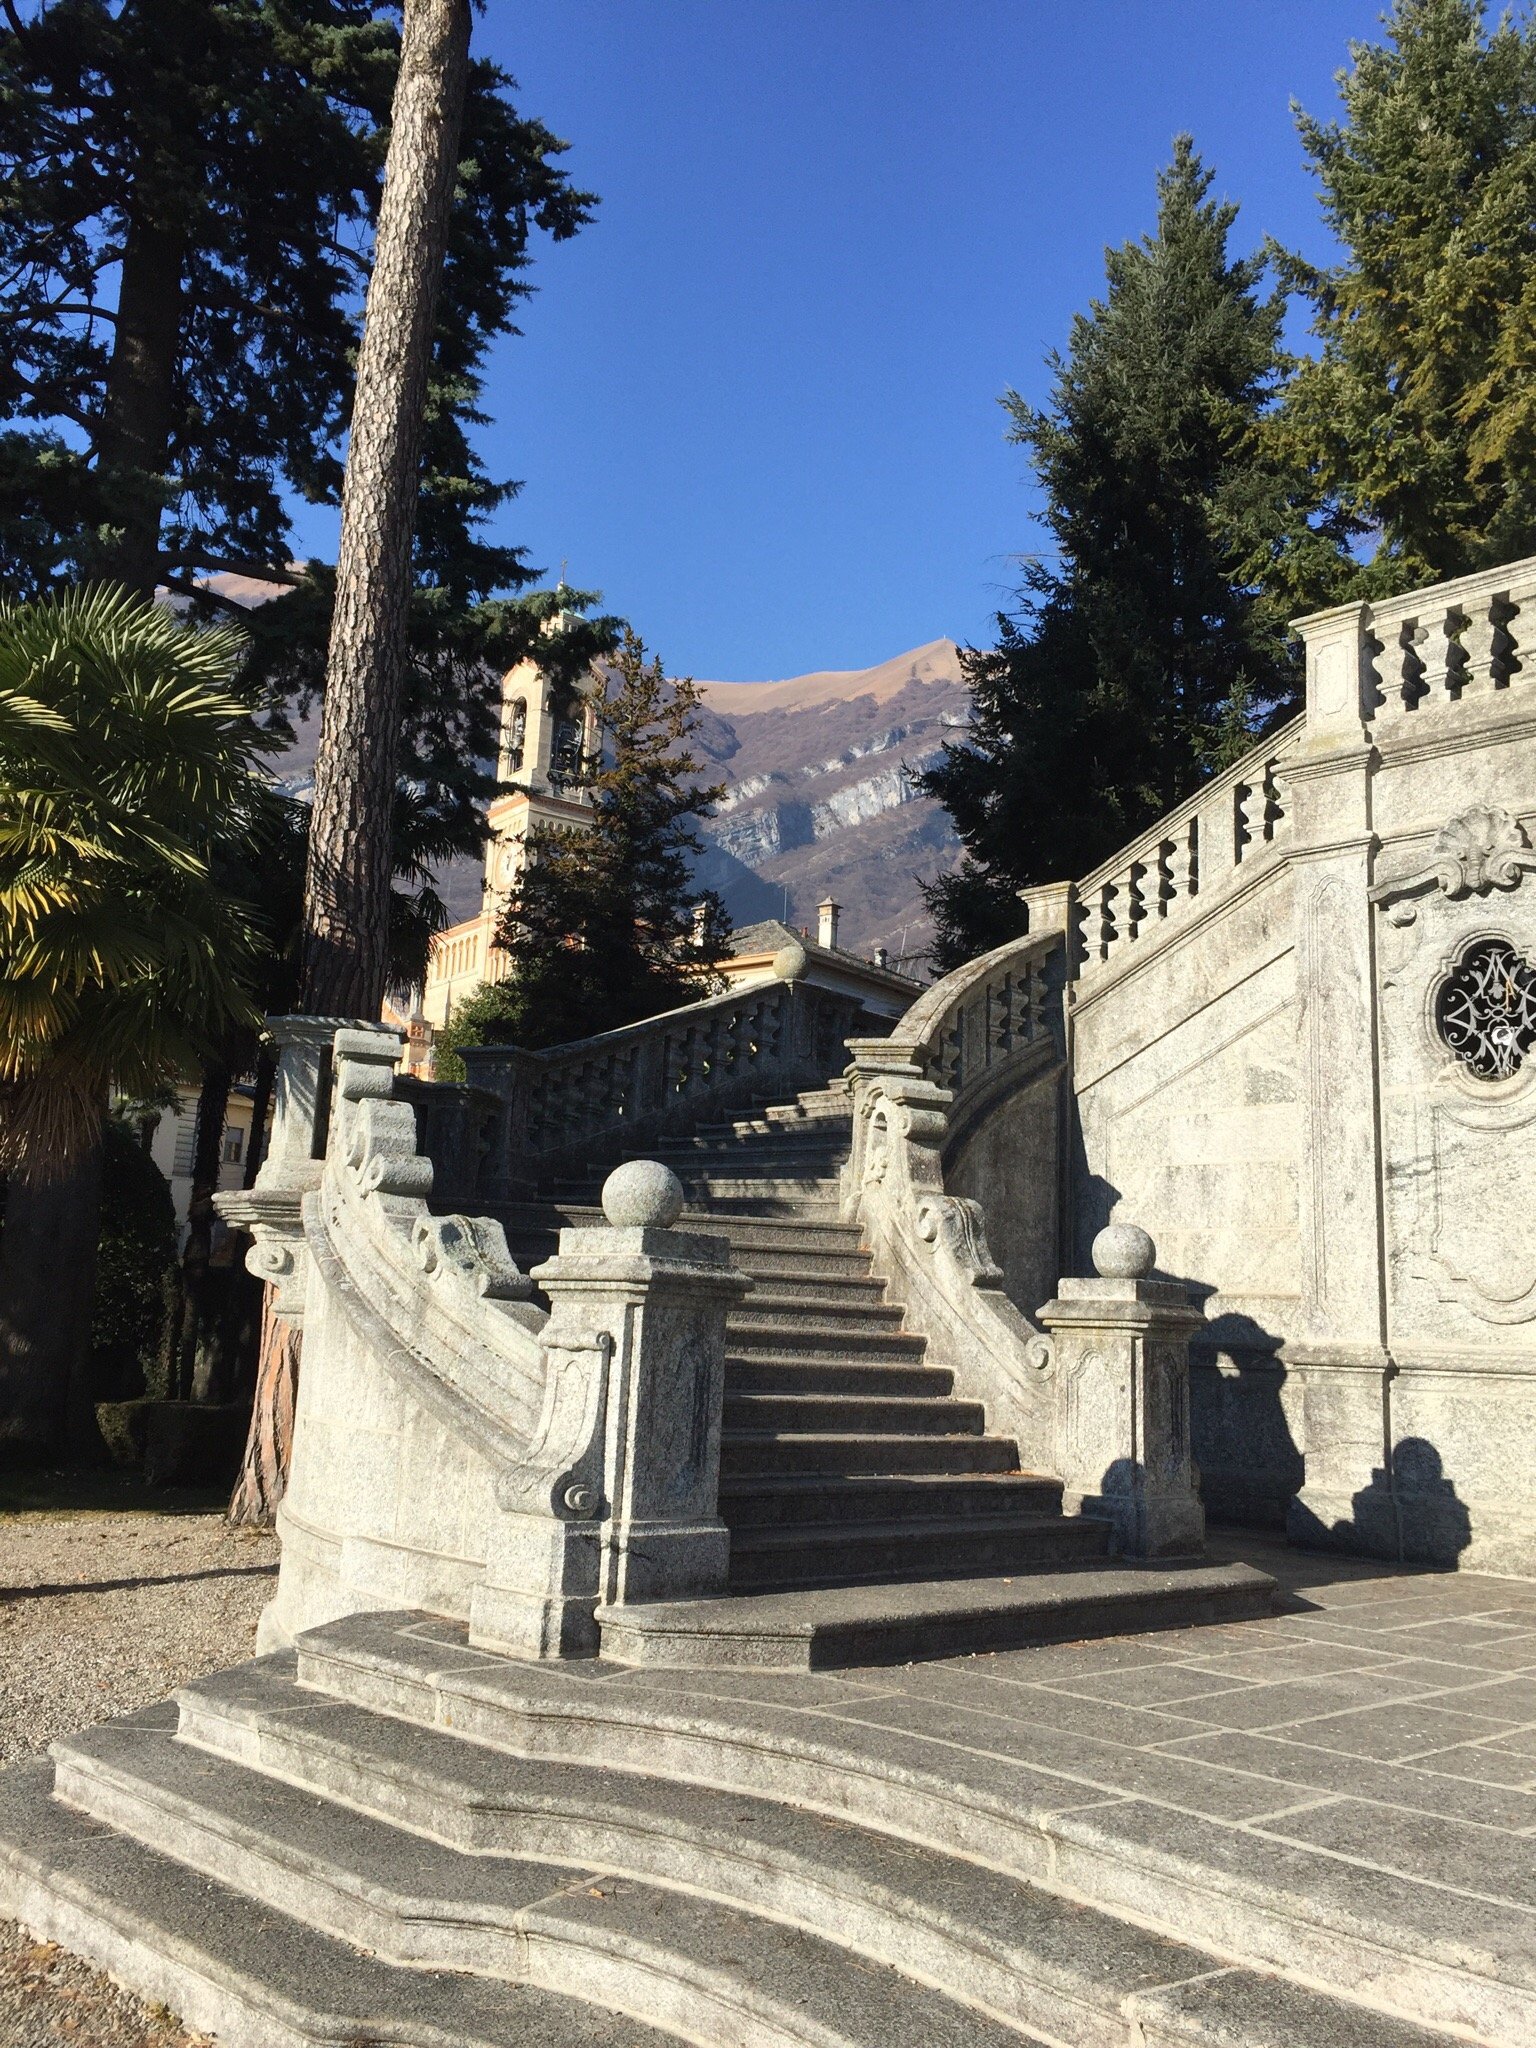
1040, 1956
930, 1528
414, 1902
232, 1965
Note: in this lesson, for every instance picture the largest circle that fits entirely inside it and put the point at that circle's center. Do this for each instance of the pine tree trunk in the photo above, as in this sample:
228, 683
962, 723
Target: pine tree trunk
350, 865
135, 435
264, 1473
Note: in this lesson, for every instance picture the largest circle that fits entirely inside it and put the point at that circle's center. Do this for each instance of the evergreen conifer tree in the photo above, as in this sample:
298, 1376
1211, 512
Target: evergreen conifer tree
1418, 418
1146, 654
605, 925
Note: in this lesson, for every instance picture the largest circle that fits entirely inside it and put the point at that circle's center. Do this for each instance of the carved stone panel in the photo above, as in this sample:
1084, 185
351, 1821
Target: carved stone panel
1457, 969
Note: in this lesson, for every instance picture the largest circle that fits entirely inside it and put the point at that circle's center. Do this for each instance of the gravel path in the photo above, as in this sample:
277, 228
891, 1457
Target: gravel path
102, 1611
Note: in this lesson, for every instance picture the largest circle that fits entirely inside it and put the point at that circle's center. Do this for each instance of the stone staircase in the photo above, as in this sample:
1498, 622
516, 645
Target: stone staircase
393, 1837
844, 1458
848, 1463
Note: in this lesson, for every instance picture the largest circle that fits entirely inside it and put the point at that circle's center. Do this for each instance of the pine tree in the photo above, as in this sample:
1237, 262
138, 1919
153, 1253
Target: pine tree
1418, 419
1146, 654
189, 193
605, 925
351, 855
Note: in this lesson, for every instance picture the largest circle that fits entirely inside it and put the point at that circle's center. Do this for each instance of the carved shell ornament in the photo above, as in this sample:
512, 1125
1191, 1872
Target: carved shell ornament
1481, 848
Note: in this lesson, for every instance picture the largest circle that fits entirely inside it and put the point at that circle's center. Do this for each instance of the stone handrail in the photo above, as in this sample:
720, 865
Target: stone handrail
547, 1422
992, 1022
1193, 856
559, 1109
1460, 643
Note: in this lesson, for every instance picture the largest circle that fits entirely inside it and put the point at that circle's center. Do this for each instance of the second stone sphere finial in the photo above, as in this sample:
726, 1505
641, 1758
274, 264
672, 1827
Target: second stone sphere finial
1123, 1251
642, 1194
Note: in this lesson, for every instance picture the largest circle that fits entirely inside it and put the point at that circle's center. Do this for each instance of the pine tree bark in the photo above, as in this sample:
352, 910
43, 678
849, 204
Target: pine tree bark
264, 1472
134, 439
350, 864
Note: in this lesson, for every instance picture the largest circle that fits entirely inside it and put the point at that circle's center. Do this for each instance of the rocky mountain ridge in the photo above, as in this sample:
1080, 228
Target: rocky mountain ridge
819, 798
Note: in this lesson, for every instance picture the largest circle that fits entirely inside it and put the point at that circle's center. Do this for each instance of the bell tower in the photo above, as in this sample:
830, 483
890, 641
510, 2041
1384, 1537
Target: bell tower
548, 738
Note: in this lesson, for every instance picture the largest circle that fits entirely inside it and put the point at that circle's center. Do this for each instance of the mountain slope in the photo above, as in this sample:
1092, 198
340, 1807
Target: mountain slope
818, 798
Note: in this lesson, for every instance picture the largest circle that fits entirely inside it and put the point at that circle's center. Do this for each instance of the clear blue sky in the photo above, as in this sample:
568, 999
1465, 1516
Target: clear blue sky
756, 402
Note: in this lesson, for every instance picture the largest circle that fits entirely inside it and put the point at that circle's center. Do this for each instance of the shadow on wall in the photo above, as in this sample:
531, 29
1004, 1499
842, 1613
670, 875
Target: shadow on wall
1410, 1510
1252, 1471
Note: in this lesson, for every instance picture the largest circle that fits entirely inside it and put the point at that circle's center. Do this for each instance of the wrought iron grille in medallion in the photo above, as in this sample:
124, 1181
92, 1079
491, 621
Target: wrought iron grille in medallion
1486, 1010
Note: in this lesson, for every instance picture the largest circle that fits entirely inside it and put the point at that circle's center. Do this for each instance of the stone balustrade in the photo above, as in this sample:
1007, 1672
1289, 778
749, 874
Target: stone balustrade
990, 1029
1444, 655
1192, 857
555, 1111
457, 1448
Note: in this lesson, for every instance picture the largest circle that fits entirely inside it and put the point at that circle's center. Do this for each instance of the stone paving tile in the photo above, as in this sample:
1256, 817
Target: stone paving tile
1296, 1660
1284, 1703
1510, 1699
1036, 1707
1096, 1766
1518, 1742
1048, 1661
1518, 1654
1483, 1763
1393, 1731
1151, 1685
1431, 1848
1291, 1758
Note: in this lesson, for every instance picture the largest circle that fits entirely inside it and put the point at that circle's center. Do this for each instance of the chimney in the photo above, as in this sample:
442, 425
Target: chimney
700, 924
827, 914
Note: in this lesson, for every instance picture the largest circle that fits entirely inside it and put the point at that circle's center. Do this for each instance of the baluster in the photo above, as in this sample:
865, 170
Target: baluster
1105, 933
1515, 643
1443, 656
1179, 866
1480, 648
1135, 899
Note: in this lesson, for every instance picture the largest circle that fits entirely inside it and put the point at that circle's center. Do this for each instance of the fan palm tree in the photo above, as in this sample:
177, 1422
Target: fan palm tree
128, 762
127, 756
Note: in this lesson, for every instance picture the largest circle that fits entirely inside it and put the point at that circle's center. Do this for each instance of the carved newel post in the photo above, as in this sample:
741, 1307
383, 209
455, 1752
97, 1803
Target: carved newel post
661, 1297
1122, 1370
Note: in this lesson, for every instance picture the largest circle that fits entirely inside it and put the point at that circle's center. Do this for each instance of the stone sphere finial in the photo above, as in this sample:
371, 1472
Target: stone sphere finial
790, 962
642, 1195
1123, 1251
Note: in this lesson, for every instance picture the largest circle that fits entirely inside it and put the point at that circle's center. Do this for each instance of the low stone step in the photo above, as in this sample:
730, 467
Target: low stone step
804, 1237
770, 1500
231, 1965
817, 1376
744, 1452
712, 1972
771, 1305
1053, 1967
851, 1553
1064, 1814
746, 1337
927, 1415
788, 1278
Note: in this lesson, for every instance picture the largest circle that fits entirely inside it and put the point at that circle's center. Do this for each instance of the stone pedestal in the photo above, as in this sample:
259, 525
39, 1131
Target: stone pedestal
660, 1297
1122, 1371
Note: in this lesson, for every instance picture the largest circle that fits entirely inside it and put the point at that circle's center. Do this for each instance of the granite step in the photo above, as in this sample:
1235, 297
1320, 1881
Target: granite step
824, 1554
816, 1376
233, 1966
767, 1307
749, 1452
822, 1413
774, 1500
746, 1337
1054, 1968
1063, 1812
700, 1968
